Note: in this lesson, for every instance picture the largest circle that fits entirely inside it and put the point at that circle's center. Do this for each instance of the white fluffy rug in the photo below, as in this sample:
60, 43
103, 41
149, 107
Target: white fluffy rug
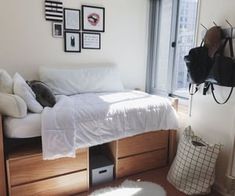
132, 188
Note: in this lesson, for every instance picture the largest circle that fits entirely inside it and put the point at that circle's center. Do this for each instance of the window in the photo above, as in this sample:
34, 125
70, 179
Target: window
172, 34
185, 31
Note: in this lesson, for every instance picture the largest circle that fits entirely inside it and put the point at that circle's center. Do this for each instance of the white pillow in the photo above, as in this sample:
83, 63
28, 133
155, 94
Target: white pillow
82, 80
6, 82
22, 89
12, 105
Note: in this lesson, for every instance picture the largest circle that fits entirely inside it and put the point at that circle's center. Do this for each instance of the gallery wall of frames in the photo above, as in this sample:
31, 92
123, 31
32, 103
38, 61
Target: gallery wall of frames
80, 28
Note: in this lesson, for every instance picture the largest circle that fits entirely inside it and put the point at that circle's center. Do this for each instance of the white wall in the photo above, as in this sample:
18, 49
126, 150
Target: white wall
26, 40
215, 122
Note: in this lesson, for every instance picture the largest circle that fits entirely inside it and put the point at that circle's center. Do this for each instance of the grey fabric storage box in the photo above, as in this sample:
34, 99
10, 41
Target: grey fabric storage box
101, 169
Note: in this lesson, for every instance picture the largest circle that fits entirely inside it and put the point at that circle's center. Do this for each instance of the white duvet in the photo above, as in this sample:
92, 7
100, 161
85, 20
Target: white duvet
90, 119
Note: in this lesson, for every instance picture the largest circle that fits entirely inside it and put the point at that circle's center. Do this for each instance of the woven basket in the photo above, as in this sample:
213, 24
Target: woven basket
193, 169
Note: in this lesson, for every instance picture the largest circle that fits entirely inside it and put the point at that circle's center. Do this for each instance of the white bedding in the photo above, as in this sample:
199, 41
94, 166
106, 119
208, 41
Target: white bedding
90, 119
27, 127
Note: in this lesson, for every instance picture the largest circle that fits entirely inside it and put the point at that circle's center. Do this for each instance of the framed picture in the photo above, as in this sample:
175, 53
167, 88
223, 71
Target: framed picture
54, 10
91, 41
72, 41
93, 18
71, 19
57, 29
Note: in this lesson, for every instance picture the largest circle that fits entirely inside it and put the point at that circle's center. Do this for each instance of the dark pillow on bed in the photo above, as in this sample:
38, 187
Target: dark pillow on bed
43, 93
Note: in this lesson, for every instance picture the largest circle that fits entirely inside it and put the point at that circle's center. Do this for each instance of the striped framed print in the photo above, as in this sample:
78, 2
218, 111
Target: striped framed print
54, 10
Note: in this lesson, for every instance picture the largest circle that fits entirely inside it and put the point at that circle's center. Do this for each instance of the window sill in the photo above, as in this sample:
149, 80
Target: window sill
183, 104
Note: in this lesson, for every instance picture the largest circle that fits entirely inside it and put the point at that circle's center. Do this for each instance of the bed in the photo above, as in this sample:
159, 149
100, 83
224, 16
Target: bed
138, 130
27, 172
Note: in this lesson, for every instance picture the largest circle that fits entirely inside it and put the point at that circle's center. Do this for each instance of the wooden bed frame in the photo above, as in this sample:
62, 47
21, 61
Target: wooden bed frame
23, 172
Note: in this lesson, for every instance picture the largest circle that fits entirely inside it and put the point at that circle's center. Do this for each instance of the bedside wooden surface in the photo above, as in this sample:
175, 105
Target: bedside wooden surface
29, 174
2, 163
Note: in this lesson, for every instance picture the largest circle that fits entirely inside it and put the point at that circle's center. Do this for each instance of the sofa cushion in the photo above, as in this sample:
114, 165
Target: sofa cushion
81, 80
27, 127
12, 105
6, 82
22, 89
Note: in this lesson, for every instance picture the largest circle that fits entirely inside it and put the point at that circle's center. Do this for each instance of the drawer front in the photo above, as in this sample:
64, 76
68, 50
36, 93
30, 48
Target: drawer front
142, 143
142, 162
35, 168
63, 185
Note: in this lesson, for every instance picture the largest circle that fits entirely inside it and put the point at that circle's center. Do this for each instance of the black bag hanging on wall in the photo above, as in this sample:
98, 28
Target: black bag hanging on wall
198, 64
223, 70
199, 60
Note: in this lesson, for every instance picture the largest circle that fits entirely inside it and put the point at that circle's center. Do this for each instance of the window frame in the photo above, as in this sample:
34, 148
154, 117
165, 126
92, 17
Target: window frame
172, 50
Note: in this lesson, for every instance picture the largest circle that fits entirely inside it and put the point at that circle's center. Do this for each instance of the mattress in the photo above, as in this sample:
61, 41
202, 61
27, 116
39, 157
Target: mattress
27, 127
30, 126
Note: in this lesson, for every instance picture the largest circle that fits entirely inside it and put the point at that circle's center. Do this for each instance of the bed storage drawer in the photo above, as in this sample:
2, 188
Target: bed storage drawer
142, 162
64, 185
142, 143
32, 168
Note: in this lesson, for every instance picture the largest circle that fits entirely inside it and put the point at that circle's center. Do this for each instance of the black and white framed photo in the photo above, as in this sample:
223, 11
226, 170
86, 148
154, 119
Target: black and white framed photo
91, 41
57, 29
54, 10
93, 18
72, 41
71, 19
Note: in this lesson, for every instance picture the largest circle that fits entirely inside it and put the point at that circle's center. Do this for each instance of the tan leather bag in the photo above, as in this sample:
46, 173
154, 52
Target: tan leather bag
213, 39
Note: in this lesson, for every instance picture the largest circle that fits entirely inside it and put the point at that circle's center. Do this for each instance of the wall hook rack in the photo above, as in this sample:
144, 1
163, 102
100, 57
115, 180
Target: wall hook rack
204, 26
229, 23
227, 32
231, 28
215, 23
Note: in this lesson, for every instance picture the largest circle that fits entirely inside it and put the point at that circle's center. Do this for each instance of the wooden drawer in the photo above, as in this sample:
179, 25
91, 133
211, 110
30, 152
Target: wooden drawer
33, 168
142, 143
63, 185
141, 162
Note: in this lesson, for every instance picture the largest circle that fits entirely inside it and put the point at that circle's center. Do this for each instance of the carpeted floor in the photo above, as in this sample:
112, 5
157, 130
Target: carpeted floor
130, 187
156, 176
